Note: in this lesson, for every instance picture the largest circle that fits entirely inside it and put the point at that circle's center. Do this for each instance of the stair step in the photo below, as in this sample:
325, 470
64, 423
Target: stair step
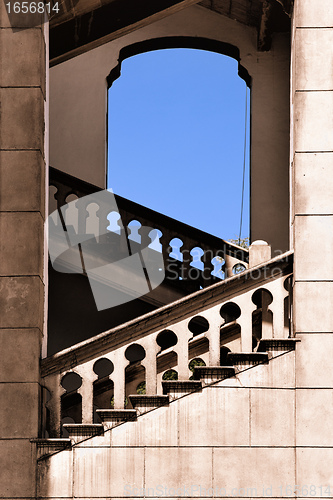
243, 360
79, 432
144, 403
209, 374
51, 445
111, 417
178, 388
277, 345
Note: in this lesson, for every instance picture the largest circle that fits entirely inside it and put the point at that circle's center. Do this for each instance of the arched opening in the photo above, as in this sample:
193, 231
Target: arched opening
176, 125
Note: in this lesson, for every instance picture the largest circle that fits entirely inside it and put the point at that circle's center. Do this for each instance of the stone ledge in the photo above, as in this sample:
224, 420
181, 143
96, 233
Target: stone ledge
49, 446
111, 417
210, 374
277, 345
79, 432
178, 388
247, 358
144, 403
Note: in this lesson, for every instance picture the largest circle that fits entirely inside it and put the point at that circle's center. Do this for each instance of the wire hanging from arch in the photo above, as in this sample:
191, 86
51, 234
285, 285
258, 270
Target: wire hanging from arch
244, 168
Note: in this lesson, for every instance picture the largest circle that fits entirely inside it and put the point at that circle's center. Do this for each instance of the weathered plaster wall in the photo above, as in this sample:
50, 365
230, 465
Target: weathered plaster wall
78, 112
237, 435
22, 212
312, 222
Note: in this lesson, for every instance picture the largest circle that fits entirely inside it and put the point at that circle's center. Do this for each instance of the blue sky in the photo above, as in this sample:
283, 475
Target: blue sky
176, 137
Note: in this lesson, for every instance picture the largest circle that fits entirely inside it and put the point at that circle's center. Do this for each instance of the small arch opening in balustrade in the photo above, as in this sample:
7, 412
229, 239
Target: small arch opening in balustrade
134, 372
224, 355
71, 401
115, 222
197, 254
103, 387
198, 325
141, 388
155, 236
166, 362
175, 246
193, 363
134, 227
238, 268
166, 339
230, 312
262, 317
170, 375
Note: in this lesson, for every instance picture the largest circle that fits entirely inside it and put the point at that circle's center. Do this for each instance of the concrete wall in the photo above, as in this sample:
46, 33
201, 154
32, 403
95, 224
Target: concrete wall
78, 112
237, 435
22, 212
312, 222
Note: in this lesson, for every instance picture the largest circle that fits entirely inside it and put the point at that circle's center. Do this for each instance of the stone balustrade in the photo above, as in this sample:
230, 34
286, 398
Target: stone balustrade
231, 316
193, 259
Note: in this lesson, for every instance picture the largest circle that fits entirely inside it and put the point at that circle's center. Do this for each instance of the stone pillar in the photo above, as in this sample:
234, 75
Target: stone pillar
312, 224
22, 211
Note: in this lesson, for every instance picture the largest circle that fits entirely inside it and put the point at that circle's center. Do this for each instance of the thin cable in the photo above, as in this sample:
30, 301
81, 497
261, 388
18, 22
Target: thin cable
244, 166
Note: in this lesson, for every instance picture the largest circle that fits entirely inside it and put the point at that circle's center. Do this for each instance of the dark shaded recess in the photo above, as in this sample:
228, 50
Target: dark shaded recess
72, 313
166, 339
198, 325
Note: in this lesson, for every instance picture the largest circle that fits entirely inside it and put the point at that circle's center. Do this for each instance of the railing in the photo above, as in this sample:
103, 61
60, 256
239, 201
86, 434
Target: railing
232, 315
193, 259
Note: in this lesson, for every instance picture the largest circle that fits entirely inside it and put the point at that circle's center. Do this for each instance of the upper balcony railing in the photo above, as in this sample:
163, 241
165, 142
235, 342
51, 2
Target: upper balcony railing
193, 259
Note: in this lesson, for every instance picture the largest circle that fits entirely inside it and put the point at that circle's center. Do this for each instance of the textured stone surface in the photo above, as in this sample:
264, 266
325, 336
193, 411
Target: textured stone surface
22, 181
313, 121
258, 466
106, 471
314, 14
314, 417
314, 59
21, 302
17, 470
19, 416
24, 112
312, 301
177, 467
225, 423
308, 265
25, 47
312, 360
56, 485
310, 170
272, 417
21, 252
18, 360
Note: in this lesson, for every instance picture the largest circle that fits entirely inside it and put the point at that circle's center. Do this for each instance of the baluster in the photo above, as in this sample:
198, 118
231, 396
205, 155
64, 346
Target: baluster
208, 267
61, 195
181, 348
118, 378
280, 330
87, 393
54, 404
213, 335
149, 362
245, 320
144, 233
266, 314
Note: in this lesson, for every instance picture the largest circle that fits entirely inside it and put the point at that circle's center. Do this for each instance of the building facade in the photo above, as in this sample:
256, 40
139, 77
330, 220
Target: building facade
255, 419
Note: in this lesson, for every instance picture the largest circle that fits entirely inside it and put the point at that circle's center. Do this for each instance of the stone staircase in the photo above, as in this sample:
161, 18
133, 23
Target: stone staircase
204, 377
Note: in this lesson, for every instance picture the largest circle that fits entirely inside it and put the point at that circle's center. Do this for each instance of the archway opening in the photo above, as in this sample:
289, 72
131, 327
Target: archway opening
176, 130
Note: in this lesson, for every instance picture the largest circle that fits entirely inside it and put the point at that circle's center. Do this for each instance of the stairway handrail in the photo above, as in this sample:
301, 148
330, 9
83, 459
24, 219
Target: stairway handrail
282, 265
